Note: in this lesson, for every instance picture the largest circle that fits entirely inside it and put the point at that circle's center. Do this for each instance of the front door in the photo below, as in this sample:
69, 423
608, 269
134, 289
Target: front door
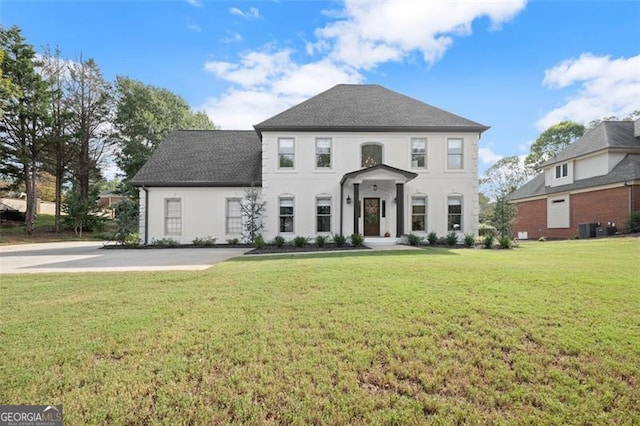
372, 217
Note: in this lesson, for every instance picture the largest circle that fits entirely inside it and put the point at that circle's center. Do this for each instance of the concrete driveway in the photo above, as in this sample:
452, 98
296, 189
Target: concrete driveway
86, 256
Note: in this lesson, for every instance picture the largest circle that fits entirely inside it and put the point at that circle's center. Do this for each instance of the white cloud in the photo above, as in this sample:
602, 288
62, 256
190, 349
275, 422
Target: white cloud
375, 32
194, 27
606, 87
232, 37
195, 3
251, 13
487, 156
360, 36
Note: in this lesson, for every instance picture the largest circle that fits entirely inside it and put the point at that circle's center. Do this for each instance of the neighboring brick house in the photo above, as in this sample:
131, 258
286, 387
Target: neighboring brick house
594, 182
355, 158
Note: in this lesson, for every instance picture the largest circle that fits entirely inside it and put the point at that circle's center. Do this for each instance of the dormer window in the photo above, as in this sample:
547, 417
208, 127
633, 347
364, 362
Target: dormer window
562, 170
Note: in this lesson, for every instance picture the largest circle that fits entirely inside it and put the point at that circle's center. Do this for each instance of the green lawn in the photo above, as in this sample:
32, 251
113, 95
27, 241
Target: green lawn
545, 334
44, 232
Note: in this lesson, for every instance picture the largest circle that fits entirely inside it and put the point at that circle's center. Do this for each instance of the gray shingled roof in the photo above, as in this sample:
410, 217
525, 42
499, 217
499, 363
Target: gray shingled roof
204, 158
606, 135
366, 107
627, 169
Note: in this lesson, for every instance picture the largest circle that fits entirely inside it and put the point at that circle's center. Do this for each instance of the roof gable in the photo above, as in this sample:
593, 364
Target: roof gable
606, 135
204, 158
366, 107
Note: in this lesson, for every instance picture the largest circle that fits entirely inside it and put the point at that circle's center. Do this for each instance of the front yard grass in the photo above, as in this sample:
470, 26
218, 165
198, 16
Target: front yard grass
545, 334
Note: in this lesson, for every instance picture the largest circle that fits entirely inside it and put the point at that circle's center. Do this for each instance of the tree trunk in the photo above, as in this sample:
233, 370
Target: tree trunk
59, 178
29, 182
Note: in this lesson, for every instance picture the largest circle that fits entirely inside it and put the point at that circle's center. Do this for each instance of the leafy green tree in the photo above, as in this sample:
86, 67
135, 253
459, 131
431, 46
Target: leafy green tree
144, 116
631, 117
552, 141
26, 118
82, 215
500, 180
7, 88
486, 208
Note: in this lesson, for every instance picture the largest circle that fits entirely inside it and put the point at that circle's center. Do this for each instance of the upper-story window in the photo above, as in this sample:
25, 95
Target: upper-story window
371, 154
419, 153
562, 170
323, 153
454, 154
286, 153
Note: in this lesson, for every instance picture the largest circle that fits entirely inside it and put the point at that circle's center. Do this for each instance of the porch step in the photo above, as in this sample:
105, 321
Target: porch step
381, 241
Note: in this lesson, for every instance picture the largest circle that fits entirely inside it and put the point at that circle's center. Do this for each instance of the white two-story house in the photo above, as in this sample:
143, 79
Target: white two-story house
353, 159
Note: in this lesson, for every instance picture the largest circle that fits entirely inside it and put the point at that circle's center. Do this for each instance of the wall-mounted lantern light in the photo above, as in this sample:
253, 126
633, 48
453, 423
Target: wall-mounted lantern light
348, 199
375, 187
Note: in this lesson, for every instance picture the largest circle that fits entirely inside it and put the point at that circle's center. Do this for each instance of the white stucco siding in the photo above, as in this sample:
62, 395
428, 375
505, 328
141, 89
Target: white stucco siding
596, 165
304, 182
203, 212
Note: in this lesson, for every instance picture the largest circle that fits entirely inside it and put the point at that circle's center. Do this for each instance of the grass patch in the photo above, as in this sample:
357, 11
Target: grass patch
544, 334
44, 232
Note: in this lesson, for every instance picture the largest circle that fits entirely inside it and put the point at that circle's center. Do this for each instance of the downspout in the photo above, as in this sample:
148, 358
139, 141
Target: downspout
341, 207
146, 215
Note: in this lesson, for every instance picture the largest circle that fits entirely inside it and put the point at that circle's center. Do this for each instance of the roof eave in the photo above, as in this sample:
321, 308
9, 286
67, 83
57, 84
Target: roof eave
152, 184
300, 128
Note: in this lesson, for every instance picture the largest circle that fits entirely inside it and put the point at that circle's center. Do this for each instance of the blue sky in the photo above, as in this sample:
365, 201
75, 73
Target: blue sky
516, 66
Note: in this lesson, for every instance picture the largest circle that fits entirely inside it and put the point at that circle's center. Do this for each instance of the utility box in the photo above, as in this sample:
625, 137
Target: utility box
605, 231
587, 230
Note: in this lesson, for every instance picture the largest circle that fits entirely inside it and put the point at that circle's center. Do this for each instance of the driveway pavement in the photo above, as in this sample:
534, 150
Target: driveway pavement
85, 256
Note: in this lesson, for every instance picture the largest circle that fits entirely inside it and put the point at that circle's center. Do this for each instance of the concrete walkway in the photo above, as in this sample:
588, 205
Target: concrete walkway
88, 256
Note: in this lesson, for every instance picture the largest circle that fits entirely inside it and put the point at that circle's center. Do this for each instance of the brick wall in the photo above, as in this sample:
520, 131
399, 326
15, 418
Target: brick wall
608, 205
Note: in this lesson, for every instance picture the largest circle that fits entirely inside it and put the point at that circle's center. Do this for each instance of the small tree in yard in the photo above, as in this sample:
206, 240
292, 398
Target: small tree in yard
252, 209
82, 215
126, 219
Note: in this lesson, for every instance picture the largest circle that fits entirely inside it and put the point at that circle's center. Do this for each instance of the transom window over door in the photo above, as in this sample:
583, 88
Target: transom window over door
173, 216
419, 152
286, 153
454, 154
418, 213
323, 214
323, 153
371, 154
286, 214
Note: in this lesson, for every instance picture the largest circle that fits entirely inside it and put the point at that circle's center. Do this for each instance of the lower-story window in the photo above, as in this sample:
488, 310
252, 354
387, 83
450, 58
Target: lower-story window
173, 216
234, 216
286, 214
455, 214
323, 214
418, 213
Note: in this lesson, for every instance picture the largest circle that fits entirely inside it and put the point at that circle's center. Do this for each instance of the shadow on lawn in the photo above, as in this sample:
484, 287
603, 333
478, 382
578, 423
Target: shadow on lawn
325, 255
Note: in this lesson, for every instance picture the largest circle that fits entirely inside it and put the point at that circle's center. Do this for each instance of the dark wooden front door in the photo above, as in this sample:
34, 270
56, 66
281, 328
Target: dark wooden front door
372, 217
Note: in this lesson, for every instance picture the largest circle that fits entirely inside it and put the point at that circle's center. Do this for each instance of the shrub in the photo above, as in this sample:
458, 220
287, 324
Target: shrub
233, 241
165, 242
633, 222
505, 242
340, 240
204, 241
356, 240
132, 239
321, 240
442, 241
432, 237
488, 241
126, 220
414, 240
469, 240
300, 241
278, 241
452, 238
259, 241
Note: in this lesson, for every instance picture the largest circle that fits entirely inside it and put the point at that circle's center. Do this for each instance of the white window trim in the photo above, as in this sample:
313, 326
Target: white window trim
281, 168
227, 217
293, 215
461, 198
426, 212
462, 159
324, 197
315, 157
166, 216
563, 170
426, 154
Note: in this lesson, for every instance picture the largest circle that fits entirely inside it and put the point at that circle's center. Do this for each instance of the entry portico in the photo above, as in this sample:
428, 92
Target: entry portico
378, 192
